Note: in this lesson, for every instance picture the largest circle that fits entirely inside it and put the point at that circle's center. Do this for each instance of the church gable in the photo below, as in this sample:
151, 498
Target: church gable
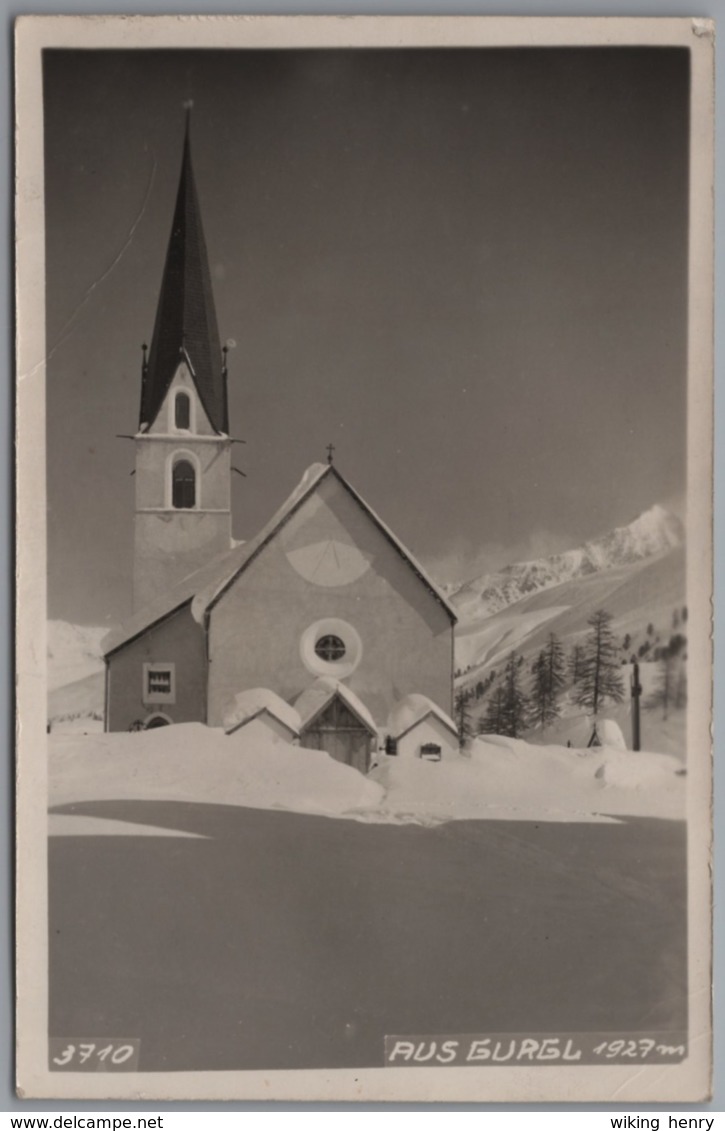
328, 592
330, 538
182, 412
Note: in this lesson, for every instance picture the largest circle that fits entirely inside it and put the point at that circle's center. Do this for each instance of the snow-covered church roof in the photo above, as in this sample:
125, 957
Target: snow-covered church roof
412, 710
249, 704
207, 598
168, 602
313, 700
204, 587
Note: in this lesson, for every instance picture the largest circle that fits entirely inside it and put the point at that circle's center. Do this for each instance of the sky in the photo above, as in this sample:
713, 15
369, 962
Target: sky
466, 269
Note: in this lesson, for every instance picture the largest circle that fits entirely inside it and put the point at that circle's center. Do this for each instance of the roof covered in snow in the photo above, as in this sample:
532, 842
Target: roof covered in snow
316, 697
249, 704
314, 475
164, 605
413, 709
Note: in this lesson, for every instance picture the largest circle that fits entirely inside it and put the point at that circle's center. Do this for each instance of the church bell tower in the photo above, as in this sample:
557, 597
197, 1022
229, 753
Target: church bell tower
183, 464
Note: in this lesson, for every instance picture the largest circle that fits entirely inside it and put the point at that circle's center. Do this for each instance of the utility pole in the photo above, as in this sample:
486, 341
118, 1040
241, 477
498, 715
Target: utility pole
636, 689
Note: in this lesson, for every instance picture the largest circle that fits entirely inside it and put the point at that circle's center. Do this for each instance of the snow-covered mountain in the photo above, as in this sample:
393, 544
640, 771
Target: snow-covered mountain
74, 651
636, 595
651, 534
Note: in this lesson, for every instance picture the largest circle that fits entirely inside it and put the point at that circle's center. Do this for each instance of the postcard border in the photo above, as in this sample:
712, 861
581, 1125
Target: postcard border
689, 1081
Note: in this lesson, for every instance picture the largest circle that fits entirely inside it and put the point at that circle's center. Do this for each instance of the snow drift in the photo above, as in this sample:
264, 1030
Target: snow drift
194, 763
497, 778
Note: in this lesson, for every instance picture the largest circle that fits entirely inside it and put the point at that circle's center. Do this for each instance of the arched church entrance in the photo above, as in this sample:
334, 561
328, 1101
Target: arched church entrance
338, 731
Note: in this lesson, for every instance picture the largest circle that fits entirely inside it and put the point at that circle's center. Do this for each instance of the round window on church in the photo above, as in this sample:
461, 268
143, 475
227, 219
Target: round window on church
330, 648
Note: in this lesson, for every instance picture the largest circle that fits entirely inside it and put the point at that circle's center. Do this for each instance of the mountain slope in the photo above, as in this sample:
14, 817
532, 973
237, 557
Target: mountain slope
653, 533
636, 595
74, 651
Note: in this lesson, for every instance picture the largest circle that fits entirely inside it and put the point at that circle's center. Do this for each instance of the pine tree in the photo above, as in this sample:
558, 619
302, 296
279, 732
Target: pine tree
576, 663
548, 670
515, 702
493, 722
462, 712
600, 675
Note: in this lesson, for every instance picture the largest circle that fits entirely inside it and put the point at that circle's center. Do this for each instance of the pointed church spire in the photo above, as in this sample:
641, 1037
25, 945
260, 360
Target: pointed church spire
185, 318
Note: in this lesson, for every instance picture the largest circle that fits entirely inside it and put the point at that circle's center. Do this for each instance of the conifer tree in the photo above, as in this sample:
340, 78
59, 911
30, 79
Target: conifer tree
493, 722
548, 670
600, 677
576, 663
515, 703
463, 719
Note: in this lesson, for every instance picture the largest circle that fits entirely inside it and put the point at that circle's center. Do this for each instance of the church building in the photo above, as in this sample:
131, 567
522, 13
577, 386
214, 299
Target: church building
324, 609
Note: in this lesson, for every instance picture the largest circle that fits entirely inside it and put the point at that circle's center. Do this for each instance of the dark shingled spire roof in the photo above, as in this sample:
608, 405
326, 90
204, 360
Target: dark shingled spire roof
185, 319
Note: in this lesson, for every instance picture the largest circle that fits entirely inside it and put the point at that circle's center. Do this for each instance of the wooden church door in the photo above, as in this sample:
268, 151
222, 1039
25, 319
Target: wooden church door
344, 737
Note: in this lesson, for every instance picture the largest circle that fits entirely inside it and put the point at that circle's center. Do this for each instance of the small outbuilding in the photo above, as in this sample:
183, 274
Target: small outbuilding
266, 712
334, 719
419, 728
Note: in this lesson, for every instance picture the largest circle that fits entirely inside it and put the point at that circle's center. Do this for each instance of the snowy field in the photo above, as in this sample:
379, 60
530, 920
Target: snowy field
496, 778
234, 902
258, 938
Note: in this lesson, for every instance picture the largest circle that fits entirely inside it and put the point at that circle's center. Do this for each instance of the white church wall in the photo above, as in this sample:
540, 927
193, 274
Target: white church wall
257, 626
171, 543
154, 456
167, 549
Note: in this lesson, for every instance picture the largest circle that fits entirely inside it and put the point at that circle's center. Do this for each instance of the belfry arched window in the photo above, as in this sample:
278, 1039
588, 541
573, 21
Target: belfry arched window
183, 485
182, 411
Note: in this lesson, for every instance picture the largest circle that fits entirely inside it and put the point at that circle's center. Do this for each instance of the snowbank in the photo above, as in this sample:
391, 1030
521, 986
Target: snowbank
503, 777
192, 762
499, 778
602, 779
610, 734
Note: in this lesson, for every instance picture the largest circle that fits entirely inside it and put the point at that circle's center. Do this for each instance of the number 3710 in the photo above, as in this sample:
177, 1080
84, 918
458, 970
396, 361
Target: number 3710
93, 1055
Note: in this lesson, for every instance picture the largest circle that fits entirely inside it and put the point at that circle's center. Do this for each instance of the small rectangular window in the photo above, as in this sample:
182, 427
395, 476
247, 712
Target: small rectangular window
159, 683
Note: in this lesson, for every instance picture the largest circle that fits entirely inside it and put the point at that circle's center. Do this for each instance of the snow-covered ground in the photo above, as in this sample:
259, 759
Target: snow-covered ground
194, 763
667, 735
496, 778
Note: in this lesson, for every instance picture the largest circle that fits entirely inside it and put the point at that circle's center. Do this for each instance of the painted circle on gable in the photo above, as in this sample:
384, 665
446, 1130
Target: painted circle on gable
321, 658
